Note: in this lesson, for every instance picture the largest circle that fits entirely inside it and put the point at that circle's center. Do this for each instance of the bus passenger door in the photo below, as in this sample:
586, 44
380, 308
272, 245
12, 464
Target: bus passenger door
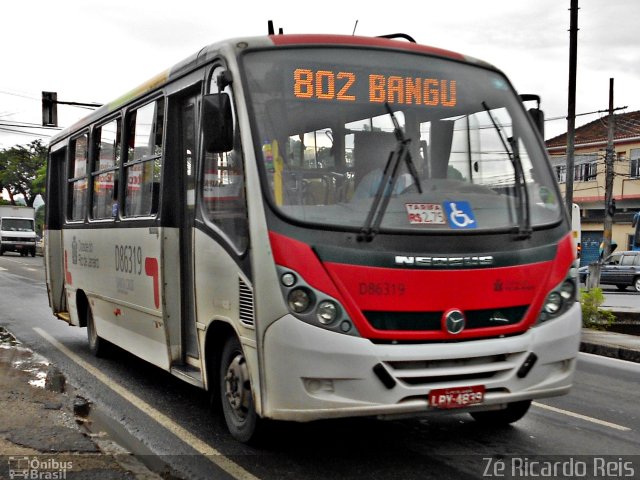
186, 207
54, 214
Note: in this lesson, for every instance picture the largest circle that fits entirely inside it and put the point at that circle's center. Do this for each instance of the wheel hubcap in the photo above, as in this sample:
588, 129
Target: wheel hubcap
236, 382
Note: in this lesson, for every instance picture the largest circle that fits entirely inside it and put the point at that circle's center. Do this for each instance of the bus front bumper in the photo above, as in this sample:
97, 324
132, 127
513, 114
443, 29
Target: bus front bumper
311, 373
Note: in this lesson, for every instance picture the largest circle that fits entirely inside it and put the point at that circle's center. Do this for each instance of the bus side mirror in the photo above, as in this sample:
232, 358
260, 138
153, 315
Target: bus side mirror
536, 114
217, 123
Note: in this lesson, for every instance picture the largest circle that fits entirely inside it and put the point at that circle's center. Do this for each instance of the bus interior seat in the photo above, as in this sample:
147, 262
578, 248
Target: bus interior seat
371, 151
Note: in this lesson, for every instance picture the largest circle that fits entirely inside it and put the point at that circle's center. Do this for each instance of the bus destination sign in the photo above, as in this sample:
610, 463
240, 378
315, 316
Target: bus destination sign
359, 87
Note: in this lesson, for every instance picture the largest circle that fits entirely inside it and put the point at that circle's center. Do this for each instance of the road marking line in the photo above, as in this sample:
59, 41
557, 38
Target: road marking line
2, 269
582, 417
200, 446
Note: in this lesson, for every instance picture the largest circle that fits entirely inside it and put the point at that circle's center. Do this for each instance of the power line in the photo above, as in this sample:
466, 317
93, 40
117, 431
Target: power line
18, 95
28, 125
19, 132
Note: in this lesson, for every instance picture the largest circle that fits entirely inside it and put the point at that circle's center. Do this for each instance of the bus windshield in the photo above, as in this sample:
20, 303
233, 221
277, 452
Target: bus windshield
324, 134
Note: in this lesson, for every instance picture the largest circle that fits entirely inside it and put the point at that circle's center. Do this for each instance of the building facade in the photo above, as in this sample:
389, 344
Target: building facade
589, 178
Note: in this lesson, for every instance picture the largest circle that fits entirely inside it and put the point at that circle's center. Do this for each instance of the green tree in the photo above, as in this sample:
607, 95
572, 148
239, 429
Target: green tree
40, 219
22, 171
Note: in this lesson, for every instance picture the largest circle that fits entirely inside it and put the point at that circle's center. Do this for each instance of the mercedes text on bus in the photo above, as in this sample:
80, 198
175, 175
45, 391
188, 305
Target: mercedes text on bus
314, 226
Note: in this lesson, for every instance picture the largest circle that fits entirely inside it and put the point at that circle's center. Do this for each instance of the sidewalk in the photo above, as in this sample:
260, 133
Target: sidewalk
41, 432
42, 419
624, 343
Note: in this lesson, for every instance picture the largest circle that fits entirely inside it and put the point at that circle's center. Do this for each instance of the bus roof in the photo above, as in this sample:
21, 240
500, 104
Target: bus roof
208, 53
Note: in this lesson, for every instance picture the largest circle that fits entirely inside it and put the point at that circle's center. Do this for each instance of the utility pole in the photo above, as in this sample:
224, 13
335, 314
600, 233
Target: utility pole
609, 202
571, 111
593, 280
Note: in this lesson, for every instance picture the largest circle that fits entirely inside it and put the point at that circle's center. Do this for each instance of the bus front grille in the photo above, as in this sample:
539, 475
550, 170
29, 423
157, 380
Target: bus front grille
432, 321
465, 370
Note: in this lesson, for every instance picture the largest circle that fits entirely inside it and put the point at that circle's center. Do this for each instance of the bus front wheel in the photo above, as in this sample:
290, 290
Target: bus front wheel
514, 412
235, 393
97, 345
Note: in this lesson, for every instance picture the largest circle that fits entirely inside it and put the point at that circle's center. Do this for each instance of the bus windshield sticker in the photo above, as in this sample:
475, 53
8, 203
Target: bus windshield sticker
425, 213
460, 214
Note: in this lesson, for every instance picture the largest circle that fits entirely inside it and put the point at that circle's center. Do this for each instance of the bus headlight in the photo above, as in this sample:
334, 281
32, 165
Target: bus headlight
327, 312
299, 300
559, 300
568, 290
313, 306
553, 303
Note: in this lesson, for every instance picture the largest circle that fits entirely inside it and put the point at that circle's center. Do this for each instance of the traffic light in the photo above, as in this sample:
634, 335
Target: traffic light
49, 109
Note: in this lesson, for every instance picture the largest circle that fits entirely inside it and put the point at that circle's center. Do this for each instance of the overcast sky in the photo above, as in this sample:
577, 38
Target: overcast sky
96, 50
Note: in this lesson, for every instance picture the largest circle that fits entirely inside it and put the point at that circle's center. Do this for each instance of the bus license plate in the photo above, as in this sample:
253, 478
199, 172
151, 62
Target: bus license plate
456, 397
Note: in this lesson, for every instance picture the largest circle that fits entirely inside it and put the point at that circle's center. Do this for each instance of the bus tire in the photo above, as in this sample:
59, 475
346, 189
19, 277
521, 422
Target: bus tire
97, 345
236, 396
514, 412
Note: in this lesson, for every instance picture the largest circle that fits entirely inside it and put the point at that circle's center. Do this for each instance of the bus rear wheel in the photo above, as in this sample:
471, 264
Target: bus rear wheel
236, 397
514, 412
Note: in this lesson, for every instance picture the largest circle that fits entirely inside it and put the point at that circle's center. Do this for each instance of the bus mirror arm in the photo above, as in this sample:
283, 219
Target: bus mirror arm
223, 80
217, 123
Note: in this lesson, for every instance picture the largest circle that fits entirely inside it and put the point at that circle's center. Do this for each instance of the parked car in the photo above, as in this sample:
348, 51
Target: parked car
621, 269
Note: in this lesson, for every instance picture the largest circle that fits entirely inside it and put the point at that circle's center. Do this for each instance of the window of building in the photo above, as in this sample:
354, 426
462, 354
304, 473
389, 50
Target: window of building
77, 180
105, 170
585, 172
634, 163
591, 171
142, 170
561, 174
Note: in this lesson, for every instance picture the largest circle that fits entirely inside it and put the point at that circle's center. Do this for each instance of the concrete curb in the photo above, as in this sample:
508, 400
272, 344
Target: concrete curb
613, 351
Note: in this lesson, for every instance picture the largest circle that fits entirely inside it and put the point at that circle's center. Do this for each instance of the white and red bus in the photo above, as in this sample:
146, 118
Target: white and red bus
317, 226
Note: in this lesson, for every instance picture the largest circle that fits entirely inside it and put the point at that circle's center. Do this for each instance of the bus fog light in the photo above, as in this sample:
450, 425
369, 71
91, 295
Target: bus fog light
327, 312
319, 385
299, 300
553, 303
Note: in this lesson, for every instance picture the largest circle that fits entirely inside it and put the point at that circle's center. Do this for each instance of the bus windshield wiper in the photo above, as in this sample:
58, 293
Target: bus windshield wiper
522, 194
387, 183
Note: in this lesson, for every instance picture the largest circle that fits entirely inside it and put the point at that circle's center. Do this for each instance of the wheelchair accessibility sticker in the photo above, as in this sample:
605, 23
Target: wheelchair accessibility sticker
459, 214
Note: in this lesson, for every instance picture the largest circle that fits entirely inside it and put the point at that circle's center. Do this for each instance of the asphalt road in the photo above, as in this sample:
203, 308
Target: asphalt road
153, 413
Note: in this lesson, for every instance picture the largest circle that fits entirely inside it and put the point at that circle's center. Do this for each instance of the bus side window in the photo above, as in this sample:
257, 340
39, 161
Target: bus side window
143, 165
105, 170
223, 185
77, 181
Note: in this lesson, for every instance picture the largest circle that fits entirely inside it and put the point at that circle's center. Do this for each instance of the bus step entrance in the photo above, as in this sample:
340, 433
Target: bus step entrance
188, 373
64, 316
